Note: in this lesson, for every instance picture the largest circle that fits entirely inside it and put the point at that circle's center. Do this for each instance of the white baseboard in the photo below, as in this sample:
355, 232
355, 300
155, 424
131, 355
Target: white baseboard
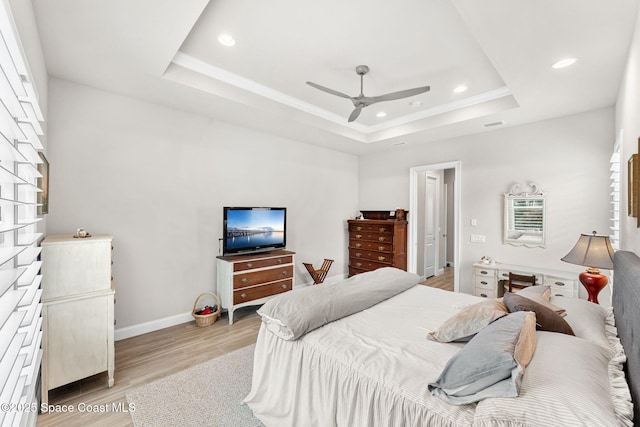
153, 325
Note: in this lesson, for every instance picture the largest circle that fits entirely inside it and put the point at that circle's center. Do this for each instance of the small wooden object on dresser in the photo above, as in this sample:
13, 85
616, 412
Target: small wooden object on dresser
78, 314
245, 280
375, 244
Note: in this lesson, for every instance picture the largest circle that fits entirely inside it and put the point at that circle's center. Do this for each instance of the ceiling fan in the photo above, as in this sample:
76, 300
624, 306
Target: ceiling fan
362, 101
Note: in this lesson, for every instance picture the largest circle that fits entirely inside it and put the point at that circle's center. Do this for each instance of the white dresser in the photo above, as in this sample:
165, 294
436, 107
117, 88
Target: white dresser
78, 313
487, 277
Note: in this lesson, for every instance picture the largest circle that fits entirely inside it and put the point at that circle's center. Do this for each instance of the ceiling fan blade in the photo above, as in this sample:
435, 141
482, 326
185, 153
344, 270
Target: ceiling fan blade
355, 113
401, 94
326, 89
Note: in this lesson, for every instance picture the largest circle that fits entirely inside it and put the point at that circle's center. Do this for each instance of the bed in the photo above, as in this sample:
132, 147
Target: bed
374, 366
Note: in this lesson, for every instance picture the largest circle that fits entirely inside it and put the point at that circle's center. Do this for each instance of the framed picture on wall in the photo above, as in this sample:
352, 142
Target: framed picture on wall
635, 191
43, 184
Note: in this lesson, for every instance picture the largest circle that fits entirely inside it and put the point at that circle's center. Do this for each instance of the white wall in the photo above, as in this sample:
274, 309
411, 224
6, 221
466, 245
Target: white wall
567, 157
628, 120
158, 178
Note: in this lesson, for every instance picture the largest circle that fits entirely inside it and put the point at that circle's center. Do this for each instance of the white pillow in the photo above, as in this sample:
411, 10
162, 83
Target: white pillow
588, 320
567, 383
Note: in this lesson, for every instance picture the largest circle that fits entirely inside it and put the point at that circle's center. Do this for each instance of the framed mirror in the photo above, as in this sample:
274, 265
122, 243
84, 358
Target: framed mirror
524, 217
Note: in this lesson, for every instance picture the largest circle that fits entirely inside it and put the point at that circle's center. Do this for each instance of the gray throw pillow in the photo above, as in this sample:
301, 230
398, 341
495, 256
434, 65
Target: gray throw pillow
547, 319
542, 295
491, 364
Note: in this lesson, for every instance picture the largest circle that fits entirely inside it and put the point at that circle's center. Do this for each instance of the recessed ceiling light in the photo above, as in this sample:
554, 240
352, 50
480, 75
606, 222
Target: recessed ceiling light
564, 63
460, 89
381, 114
415, 104
226, 39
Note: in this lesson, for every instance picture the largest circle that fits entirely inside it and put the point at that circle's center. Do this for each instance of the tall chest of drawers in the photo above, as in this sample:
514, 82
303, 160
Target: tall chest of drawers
244, 280
78, 310
375, 244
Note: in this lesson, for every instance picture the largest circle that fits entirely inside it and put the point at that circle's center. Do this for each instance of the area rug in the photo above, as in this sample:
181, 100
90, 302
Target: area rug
209, 394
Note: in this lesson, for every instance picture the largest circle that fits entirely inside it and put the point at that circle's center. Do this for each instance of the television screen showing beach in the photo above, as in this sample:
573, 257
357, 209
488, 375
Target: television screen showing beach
255, 228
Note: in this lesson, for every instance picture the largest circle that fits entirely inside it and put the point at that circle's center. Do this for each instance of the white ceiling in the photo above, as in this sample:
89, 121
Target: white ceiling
167, 52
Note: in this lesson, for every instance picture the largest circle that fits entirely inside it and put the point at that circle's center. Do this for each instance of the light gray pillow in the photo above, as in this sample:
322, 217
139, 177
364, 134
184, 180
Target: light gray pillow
292, 314
491, 364
463, 325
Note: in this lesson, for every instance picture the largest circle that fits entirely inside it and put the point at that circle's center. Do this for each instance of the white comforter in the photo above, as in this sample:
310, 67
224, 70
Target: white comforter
364, 353
373, 368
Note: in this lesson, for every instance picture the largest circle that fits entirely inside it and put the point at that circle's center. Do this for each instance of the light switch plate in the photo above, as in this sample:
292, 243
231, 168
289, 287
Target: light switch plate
478, 238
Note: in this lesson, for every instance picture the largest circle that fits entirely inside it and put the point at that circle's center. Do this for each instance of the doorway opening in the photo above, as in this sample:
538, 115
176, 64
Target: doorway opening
434, 220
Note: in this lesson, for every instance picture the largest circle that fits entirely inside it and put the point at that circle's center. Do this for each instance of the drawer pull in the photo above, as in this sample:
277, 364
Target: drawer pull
382, 239
244, 280
279, 261
484, 272
381, 258
284, 286
285, 272
249, 265
358, 264
484, 295
483, 282
381, 248
358, 254
243, 295
358, 236
358, 228
558, 295
559, 283
382, 229
358, 245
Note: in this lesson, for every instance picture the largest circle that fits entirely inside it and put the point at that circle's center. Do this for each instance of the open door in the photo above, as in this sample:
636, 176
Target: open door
419, 247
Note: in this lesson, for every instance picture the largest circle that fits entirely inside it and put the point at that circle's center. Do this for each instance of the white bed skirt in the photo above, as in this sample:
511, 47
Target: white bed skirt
373, 368
294, 381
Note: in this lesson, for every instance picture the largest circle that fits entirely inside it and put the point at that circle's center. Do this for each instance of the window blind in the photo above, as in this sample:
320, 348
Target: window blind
20, 321
527, 215
615, 176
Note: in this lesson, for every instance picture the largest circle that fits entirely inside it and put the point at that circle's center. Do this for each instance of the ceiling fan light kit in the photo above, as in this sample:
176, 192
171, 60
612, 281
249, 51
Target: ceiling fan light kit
361, 101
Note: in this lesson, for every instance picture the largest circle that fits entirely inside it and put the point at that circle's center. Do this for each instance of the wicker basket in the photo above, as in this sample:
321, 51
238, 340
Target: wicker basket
206, 319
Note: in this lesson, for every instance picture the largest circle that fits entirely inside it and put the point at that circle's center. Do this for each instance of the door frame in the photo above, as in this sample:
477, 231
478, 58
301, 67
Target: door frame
413, 219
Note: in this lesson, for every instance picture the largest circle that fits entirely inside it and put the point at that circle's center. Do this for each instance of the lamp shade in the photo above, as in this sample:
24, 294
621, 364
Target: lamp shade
591, 250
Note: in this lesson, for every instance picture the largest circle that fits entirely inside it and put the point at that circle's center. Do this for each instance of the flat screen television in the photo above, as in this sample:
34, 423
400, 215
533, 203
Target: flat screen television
254, 229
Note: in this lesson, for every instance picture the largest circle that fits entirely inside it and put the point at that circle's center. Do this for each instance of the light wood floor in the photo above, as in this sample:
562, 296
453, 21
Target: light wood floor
443, 281
147, 357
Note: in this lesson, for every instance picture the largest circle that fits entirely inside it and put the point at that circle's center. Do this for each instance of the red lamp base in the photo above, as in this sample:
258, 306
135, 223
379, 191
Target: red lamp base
594, 283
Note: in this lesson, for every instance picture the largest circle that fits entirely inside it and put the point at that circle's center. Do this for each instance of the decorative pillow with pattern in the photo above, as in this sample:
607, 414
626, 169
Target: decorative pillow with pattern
463, 325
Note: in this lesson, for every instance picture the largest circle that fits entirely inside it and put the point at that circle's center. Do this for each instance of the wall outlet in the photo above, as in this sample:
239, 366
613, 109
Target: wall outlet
478, 238
474, 222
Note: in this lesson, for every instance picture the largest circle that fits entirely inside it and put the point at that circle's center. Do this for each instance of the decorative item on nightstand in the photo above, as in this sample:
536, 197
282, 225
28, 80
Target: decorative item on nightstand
593, 251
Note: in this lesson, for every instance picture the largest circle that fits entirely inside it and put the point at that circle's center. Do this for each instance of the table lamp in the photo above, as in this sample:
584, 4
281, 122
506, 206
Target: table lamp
595, 252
